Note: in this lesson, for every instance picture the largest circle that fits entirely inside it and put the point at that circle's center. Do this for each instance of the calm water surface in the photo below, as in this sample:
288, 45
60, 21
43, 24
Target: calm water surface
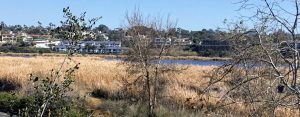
185, 62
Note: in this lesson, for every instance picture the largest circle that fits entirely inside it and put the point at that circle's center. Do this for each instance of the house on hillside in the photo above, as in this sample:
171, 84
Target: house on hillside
24, 37
8, 37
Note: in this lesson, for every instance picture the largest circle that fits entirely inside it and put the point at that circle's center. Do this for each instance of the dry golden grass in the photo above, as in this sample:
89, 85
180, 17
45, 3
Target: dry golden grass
98, 73
94, 72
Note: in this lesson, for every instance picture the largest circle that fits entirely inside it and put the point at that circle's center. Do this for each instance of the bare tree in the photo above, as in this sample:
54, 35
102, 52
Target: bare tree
265, 64
144, 55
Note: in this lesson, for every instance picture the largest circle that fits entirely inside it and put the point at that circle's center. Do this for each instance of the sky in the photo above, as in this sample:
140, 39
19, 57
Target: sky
189, 14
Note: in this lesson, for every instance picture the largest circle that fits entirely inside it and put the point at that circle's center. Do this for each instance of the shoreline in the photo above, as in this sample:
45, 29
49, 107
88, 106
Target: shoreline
113, 56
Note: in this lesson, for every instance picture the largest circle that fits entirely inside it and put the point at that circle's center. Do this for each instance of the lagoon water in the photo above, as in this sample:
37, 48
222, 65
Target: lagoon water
195, 62
185, 62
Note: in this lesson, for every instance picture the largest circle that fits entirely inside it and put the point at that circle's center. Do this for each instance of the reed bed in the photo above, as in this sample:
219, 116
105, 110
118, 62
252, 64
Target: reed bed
94, 73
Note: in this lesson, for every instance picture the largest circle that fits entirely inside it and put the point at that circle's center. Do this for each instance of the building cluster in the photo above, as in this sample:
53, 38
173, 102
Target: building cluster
39, 41
90, 46
95, 47
45, 41
10, 37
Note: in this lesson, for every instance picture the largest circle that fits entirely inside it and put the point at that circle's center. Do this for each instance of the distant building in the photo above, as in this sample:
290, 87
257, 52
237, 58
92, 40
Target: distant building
25, 37
8, 37
173, 41
97, 47
162, 41
44, 43
182, 41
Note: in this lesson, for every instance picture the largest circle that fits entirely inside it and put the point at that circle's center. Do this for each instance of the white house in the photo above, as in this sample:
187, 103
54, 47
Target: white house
8, 37
46, 43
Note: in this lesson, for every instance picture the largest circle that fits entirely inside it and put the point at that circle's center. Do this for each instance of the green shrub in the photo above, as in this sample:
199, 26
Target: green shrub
8, 101
46, 97
12, 104
26, 106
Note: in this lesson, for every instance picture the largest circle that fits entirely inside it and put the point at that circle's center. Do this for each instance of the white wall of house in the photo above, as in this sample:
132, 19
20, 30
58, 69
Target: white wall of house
45, 43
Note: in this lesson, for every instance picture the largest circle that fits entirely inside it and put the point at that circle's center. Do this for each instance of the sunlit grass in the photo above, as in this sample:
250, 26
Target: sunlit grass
94, 73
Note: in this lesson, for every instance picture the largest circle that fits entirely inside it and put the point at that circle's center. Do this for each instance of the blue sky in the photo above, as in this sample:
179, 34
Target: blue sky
190, 14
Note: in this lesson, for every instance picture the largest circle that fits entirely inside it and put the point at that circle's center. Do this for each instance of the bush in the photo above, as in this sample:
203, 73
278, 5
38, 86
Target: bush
8, 102
12, 104
26, 106
46, 96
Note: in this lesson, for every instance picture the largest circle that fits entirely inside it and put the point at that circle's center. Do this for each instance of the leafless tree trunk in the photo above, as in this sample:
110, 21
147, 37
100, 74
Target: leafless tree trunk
144, 55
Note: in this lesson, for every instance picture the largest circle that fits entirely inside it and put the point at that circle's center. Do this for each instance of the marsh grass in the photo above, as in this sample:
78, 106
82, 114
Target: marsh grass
104, 79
